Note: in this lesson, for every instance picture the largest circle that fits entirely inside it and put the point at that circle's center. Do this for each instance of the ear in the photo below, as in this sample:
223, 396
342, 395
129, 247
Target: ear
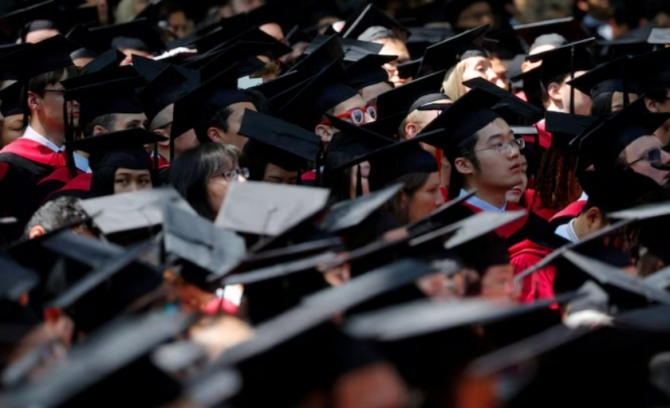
325, 132
411, 129
652, 105
99, 130
464, 166
36, 231
404, 200
554, 92
215, 135
33, 100
594, 218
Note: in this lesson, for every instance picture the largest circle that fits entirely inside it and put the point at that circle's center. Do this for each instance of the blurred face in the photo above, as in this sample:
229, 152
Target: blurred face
514, 195
398, 48
496, 282
179, 24
48, 108
245, 6
125, 121
232, 136
128, 180
642, 152
40, 35
417, 120
278, 175
617, 100
476, 14
498, 170
102, 9
371, 92
12, 129
481, 67
365, 185
274, 30
218, 184
426, 199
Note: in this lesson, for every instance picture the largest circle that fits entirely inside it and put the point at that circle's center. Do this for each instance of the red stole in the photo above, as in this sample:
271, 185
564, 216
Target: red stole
35, 152
510, 229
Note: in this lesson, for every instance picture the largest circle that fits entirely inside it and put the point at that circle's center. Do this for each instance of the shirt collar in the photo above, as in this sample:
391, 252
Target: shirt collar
31, 134
81, 163
567, 231
481, 204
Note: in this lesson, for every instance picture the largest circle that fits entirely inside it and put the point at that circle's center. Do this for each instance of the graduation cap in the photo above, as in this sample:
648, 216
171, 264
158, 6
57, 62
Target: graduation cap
50, 14
310, 263
402, 99
90, 374
323, 92
651, 70
514, 110
109, 59
409, 69
165, 89
278, 141
131, 211
554, 65
425, 317
136, 34
320, 57
207, 251
355, 50
368, 70
10, 100
568, 27
614, 76
34, 59
565, 127
268, 209
348, 214
602, 143
371, 24
275, 86
448, 53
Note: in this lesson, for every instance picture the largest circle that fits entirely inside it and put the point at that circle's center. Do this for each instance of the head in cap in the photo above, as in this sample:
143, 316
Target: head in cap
368, 77
558, 67
12, 114
203, 174
119, 161
651, 70
466, 14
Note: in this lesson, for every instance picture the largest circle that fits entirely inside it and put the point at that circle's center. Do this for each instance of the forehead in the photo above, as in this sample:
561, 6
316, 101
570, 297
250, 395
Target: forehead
496, 128
642, 143
354, 102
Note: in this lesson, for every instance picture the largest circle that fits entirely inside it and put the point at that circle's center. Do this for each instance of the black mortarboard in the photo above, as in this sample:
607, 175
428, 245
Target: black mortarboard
564, 60
446, 54
614, 76
109, 59
514, 110
602, 143
425, 317
355, 50
445, 215
367, 22
90, 374
409, 69
35, 59
50, 14
400, 99
10, 100
16, 280
288, 138
623, 47
453, 8
347, 214
564, 127
651, 70
568, 27
276, 86
355, 140
132, 211
149, 68
278, 270
321, 57
268, 209
368, 70
165, 89
123, 139
207, 251
101, 98
423, 37
461, 120
323, 92
137, 34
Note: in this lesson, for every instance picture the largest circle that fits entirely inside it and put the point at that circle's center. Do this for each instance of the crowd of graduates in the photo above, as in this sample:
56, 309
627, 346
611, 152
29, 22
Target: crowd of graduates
387, 204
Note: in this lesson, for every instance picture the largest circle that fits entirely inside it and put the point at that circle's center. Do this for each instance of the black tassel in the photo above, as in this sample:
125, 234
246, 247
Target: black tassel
359, 181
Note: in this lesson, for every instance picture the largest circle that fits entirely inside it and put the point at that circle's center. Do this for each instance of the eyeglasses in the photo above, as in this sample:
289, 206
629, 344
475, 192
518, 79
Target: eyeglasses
233, 175
506, 147
651, 155
356, 115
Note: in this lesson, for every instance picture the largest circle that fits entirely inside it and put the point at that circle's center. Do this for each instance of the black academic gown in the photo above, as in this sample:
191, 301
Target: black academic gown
23, 163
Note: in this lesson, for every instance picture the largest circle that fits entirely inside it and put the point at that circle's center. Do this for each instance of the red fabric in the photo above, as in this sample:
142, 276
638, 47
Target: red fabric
35, 152
544, 136
309, 176
508, 230
215, 306
61, 174
571, 211
3, 170
162, 162
80, 183
535, 205
539, 285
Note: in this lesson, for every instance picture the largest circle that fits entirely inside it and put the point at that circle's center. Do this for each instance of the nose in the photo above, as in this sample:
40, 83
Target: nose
368, 118
241, 179
665, 157
491, 76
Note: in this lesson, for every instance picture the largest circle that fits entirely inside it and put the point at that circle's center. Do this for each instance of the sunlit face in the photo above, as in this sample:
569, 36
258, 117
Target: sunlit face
514, 195
636, 150
12, 129
617, 100
426, 199
217, 186
481, 67
399, 49
128, 180
41, 35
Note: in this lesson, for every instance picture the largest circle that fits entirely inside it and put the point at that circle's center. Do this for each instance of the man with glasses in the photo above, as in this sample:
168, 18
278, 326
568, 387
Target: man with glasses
41, 67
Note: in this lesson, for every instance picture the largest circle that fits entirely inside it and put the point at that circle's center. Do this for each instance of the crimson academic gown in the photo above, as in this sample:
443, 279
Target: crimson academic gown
24, 163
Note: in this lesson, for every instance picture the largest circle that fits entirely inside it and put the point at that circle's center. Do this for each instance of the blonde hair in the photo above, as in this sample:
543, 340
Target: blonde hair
452, 85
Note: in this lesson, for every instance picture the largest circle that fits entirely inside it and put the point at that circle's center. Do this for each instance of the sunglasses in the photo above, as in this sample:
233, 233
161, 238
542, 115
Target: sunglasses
356, 115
